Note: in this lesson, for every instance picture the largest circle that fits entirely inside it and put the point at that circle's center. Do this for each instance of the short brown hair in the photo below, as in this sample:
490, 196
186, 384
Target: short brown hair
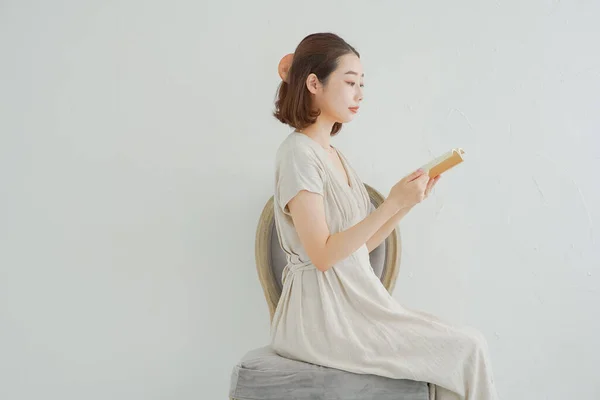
317, 54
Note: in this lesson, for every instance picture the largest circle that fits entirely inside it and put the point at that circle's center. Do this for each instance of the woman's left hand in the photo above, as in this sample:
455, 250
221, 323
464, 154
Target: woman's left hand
431, 185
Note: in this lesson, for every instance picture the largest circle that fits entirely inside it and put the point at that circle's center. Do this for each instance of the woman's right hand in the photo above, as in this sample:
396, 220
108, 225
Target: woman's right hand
410, 190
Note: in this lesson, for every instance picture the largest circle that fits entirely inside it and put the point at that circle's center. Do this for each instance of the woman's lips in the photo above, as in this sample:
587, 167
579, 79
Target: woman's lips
353, 109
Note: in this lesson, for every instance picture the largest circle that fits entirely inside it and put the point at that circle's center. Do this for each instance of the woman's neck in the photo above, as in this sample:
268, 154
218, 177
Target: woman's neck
320, 132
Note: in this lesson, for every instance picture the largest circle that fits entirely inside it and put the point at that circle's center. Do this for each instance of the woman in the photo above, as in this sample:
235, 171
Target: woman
333, 309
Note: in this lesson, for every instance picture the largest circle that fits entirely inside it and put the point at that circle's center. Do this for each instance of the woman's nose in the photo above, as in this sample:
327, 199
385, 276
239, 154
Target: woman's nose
360, 95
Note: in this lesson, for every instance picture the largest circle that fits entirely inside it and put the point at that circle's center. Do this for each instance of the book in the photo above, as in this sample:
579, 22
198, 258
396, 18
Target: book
443, 163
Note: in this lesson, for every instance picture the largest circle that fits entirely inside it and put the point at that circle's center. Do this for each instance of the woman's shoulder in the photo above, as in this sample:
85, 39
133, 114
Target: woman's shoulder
297, 146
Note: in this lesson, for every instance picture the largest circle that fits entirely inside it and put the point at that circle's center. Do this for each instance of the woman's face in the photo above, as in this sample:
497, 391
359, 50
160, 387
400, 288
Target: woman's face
340, 98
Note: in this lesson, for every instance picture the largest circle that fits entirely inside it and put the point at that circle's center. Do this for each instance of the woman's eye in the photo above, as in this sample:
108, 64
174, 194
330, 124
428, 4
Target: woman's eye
354, 83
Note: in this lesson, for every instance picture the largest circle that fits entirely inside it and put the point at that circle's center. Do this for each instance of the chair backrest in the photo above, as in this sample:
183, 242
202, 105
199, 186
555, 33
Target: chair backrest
271, 259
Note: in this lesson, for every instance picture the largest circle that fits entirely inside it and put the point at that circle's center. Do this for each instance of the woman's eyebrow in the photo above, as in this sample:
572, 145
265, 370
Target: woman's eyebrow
354, 73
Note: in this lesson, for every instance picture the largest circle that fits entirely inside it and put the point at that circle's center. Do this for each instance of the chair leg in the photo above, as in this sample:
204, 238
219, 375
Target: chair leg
431, 391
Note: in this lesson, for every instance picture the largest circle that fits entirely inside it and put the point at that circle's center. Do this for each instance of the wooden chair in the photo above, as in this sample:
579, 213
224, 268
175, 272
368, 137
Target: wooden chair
259, 374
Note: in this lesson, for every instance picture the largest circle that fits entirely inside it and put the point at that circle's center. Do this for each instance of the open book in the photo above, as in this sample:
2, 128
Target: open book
444, 162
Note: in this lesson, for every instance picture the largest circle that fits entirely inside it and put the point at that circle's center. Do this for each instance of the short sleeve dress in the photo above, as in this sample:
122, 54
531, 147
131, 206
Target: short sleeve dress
344, 317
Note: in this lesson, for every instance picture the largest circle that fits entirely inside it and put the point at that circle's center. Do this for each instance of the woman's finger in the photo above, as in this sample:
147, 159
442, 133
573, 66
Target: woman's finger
431, 184
415, 175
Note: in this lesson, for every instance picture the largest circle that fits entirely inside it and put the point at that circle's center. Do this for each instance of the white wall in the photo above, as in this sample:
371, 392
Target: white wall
137, 150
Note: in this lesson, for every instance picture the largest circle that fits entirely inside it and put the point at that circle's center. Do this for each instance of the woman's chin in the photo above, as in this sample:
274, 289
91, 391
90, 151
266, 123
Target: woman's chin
347, 118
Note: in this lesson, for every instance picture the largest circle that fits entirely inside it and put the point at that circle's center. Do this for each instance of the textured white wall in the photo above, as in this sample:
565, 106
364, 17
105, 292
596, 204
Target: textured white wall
137, 149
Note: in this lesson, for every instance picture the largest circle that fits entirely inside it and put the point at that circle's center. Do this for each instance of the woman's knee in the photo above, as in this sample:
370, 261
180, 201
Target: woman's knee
476, 338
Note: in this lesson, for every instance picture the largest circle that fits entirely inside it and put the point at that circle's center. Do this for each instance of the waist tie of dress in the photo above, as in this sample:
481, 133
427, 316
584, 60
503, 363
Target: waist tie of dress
291, 269
288, 272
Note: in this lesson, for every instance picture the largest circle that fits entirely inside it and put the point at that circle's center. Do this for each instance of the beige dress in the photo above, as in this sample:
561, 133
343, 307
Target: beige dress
344, 317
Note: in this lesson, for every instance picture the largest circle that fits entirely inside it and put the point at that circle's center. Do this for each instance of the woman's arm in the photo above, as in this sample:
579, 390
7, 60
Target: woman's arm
386, 229
390, 225
323, 249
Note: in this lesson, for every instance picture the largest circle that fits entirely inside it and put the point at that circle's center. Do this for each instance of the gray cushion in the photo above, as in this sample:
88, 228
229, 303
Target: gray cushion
264, 375
279, 260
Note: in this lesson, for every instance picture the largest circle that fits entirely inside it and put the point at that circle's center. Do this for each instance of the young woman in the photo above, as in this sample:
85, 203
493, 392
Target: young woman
333, 309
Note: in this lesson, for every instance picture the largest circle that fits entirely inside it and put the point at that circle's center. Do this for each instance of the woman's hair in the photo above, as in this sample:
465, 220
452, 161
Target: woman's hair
318, 53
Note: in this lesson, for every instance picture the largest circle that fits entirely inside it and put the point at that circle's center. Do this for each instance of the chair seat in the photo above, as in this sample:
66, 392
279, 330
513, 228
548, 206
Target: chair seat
263, 374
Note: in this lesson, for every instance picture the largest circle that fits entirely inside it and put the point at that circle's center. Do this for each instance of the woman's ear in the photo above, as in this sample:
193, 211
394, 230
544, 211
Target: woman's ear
312, 83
